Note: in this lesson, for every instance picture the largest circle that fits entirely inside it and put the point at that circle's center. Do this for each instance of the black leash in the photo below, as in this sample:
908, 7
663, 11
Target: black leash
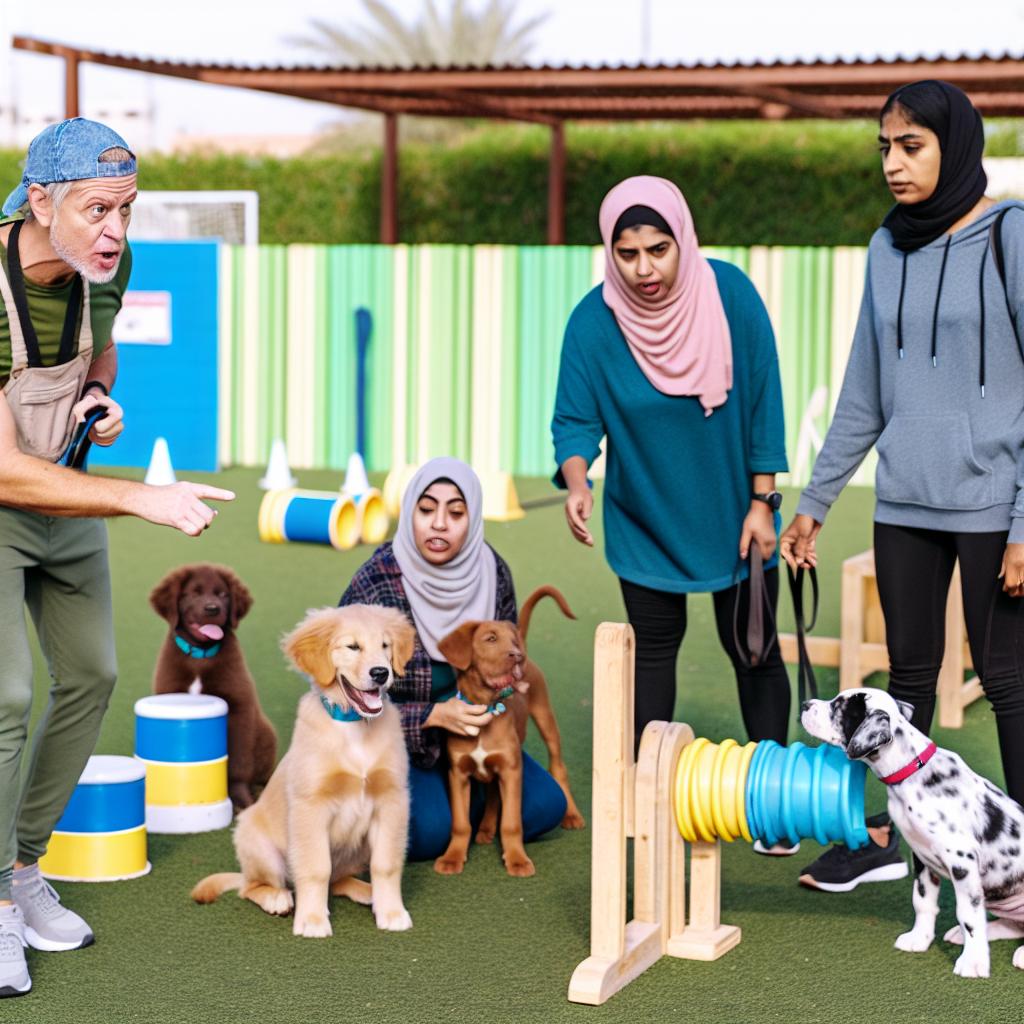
77, 452
806, 683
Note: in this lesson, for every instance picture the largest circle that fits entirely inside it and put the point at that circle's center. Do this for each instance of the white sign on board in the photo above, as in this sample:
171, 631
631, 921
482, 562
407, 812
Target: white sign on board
144, 319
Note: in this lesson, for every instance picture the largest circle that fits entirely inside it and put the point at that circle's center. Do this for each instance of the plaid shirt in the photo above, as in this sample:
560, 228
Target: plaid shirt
379, 581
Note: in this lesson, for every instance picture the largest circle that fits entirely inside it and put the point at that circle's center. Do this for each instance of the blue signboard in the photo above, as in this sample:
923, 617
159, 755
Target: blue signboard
166, 338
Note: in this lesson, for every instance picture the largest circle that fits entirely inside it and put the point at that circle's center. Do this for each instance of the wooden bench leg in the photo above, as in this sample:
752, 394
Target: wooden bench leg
851, 628
953, 693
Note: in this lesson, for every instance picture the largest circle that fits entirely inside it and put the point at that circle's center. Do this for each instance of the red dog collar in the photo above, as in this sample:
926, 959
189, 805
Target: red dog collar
908, 769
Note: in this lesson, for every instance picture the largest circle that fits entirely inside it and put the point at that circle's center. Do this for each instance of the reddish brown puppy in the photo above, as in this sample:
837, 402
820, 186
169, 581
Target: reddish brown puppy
203, 605
492, 668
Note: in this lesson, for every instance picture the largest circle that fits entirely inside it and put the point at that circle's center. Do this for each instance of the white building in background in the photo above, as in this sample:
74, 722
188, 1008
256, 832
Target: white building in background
251, 144
134, 125
27, 106
1005, 177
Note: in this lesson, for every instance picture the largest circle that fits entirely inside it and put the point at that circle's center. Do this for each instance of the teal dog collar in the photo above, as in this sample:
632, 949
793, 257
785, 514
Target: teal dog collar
339, 714
196, 652
497, 707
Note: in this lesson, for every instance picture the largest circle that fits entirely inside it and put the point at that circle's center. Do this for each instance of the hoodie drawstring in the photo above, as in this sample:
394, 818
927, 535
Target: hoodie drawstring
938, 296
981, 340
899, 310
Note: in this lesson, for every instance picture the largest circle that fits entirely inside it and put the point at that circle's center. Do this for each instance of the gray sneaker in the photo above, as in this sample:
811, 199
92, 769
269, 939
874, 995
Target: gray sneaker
49, 925
14, 976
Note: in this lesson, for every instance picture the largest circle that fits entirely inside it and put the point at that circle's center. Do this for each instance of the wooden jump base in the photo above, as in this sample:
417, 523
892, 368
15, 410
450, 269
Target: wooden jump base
633, 800
861, 650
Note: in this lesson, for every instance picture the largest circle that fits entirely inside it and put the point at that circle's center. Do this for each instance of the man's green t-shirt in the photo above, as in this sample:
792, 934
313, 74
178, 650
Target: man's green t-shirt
48, 306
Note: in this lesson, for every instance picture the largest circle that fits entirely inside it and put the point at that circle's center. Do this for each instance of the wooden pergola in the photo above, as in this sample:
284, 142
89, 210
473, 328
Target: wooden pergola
553, 95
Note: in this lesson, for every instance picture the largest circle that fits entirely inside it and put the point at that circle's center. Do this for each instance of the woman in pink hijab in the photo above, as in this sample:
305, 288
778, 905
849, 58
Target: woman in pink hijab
672, 360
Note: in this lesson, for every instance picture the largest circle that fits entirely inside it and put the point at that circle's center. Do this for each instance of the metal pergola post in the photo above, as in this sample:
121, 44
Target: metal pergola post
389, 182
71, 63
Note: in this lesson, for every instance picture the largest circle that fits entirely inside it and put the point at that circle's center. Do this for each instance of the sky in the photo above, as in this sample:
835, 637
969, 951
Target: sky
576, 32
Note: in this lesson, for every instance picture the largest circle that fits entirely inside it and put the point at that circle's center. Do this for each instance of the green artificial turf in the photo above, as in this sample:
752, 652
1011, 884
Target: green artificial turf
484, 947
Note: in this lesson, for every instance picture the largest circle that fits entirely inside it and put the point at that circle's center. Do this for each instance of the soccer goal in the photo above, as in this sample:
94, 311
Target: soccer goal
231, 216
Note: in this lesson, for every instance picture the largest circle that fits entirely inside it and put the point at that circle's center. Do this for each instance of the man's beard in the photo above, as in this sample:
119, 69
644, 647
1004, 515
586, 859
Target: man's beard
76, 262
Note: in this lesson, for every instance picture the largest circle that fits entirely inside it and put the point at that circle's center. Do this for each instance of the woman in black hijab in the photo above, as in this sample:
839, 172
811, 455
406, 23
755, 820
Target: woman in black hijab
936, 378
947, 112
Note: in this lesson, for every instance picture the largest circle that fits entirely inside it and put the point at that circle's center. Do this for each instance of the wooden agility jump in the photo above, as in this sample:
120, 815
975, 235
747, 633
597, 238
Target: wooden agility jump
632, 800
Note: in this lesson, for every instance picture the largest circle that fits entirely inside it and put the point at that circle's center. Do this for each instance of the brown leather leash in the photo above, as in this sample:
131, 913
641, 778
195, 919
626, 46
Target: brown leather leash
761, 628
758, 642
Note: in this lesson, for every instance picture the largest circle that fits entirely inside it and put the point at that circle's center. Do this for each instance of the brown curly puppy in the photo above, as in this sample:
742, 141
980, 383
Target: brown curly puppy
203, 605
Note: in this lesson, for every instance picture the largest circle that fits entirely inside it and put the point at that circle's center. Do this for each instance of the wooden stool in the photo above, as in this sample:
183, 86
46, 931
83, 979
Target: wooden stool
860, 649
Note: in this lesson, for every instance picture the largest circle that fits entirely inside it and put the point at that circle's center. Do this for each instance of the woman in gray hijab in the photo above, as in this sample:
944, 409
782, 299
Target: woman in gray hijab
441, 572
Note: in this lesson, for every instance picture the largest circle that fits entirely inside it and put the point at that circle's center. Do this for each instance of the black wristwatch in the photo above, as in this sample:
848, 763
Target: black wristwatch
773, 499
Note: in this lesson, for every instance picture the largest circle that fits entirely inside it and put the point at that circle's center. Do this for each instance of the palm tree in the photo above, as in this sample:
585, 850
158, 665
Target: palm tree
460, 36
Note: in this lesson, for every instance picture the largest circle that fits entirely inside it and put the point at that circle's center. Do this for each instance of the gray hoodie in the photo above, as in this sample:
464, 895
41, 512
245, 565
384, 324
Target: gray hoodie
936, 380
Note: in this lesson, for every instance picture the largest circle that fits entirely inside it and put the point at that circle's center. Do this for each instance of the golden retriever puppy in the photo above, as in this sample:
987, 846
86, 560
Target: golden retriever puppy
338, 802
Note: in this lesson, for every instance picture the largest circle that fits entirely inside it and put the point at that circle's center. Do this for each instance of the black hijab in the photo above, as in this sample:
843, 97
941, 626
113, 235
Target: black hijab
950, 114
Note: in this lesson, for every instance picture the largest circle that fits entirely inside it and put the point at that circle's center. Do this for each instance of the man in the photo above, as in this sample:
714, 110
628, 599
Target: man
65, 265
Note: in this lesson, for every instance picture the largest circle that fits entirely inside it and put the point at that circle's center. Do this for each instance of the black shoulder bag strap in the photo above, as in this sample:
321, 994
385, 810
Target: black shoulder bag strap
995, 241
759, 639
806, 683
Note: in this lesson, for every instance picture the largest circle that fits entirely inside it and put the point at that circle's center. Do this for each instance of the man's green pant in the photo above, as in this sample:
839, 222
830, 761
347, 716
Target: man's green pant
58, 568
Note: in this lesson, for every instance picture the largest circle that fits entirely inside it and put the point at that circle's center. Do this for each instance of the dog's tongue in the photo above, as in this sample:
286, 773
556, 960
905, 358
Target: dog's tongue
373, 700
211, 632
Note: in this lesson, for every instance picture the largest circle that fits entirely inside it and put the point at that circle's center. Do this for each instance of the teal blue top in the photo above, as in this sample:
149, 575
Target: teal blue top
677, 483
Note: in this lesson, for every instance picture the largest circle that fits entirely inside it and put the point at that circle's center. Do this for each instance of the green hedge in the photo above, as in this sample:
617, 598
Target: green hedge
794, 183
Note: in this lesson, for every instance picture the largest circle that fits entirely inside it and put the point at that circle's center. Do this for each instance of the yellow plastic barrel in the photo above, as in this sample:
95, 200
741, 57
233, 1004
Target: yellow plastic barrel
96, 856
177, 785
101, 835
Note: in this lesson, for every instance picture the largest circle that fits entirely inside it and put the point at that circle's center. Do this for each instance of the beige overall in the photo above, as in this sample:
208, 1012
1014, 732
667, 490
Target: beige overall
41, 397
58, 568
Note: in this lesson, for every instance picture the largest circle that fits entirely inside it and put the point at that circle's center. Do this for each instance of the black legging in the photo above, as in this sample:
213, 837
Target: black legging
913, 568
659, 620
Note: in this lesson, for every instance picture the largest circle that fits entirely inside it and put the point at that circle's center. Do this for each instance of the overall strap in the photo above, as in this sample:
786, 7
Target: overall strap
19, 357
77, 301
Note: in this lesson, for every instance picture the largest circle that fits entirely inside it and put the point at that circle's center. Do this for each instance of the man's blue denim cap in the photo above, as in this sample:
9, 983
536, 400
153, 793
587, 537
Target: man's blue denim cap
69, 151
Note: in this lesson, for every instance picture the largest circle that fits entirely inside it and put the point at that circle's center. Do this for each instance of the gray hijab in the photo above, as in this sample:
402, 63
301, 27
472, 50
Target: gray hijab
442, 597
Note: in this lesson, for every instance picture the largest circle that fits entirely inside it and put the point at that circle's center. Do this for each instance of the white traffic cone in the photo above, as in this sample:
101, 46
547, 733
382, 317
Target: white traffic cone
160, 472
278, 476
501, 502
355, 476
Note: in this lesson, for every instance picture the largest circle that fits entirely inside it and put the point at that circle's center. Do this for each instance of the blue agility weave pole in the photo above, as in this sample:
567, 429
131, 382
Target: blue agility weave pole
364, 328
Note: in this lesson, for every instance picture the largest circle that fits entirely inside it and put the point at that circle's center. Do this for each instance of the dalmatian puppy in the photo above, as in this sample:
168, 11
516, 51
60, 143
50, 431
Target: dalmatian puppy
960, 825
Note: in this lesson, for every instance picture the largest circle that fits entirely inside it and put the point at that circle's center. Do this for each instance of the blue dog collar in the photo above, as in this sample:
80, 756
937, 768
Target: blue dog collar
196, 652
497, 708
339, 714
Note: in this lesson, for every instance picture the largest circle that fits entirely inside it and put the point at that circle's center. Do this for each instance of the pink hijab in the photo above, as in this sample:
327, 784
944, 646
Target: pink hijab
683, 344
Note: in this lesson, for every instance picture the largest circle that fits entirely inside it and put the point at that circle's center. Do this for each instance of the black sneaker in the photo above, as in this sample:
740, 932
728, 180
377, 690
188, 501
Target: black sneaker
840, 869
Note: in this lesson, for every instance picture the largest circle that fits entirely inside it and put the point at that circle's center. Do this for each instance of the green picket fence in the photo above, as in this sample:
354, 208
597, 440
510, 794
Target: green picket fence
464, 354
